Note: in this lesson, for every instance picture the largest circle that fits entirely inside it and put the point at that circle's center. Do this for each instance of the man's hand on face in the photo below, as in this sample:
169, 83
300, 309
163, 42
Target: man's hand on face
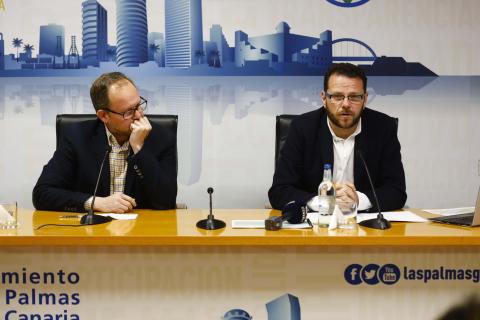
346, 193
140, 131
116, 203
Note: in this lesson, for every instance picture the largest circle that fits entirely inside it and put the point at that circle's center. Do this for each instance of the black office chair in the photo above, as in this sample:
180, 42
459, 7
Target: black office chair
281, 133
282, 127
169, 122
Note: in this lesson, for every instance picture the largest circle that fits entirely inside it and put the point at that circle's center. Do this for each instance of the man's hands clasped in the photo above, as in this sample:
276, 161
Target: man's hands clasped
346, 193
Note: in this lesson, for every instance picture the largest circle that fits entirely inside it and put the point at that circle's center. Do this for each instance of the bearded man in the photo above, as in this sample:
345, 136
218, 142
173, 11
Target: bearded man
335, 134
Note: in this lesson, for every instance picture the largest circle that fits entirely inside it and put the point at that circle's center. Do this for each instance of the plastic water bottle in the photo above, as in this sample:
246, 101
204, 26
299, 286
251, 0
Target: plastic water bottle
326, 197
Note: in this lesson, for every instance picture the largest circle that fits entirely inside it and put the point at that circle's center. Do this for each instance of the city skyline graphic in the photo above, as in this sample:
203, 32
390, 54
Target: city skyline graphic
285, 307
182, 50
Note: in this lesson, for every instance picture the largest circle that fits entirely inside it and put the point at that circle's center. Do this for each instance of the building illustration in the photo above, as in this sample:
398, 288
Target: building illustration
2, 52
222, 51
132, 33
286, 307
183, 33
94, 33
48, 38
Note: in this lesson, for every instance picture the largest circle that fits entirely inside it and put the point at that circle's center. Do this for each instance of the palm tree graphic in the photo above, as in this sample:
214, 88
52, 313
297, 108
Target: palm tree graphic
17, 43
199, 54
153, 49
215, 54
28, 48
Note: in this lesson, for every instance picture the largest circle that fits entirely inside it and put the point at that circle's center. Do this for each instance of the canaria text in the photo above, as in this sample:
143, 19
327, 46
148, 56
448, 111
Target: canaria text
14, 315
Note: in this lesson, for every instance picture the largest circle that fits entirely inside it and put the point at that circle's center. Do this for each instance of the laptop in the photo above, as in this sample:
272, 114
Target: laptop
471, 219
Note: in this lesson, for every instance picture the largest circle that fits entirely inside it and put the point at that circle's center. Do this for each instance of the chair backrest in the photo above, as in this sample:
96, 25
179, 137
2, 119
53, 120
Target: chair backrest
281, 133
169, 122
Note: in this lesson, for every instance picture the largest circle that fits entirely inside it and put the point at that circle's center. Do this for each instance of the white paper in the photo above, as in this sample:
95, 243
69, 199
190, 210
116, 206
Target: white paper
5, 217
404, 216
451, 211
260, 224
120, 216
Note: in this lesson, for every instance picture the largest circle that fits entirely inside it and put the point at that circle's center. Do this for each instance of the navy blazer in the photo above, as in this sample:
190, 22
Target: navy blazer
69, 178
309, 146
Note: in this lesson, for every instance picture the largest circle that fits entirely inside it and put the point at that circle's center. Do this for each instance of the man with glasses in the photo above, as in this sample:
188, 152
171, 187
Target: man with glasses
141, 159
333, 135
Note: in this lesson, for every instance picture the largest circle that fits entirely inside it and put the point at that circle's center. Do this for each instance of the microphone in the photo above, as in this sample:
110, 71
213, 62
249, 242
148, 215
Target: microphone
379, 222
293, 212
91, 218
210, 223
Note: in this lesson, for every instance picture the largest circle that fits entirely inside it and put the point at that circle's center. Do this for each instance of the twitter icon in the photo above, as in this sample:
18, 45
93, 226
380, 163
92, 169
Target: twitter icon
370, 274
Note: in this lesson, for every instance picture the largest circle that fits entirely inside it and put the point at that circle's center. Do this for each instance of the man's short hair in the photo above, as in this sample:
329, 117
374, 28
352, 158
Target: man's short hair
99, 88
467, 310
345, 69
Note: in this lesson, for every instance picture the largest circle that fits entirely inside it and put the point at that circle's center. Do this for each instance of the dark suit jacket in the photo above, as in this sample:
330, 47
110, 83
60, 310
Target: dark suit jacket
309, 146
69, 178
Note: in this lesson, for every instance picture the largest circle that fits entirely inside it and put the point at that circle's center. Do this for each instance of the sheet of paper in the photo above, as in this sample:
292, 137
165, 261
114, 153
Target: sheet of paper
451, 211
405, 216
260, 224
120, 216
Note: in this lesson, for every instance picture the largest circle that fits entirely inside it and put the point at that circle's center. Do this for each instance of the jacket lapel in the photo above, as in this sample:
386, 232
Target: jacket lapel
325, 142
129, 179
99, 145
359, 173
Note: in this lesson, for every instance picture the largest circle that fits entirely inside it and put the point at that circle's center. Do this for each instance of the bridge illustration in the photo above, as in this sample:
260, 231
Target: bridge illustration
352, 50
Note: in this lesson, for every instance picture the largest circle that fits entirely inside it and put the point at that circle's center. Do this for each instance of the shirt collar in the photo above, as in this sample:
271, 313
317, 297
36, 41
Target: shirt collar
112, 141
338, 139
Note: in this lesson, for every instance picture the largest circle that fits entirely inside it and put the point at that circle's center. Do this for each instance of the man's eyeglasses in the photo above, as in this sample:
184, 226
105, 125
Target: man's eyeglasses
339, 98
142, 106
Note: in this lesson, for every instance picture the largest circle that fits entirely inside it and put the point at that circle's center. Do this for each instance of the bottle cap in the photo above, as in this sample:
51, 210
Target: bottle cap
327, 166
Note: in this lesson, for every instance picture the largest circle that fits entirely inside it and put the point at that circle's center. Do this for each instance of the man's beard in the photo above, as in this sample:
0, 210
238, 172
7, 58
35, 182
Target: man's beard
336, 122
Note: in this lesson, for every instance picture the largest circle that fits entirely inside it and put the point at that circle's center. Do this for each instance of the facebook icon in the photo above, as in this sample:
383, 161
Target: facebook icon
352, 274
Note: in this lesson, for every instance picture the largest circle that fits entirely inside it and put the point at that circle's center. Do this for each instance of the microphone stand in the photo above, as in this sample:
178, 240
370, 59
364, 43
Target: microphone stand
379, 222
91, 218
210, 223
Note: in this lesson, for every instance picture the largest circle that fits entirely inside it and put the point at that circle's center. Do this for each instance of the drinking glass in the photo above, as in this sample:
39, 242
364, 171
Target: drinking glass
348, 217
8, 215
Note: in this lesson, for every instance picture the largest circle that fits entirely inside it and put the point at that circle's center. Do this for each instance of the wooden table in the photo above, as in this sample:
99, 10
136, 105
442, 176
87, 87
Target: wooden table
160, 266
177, 227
